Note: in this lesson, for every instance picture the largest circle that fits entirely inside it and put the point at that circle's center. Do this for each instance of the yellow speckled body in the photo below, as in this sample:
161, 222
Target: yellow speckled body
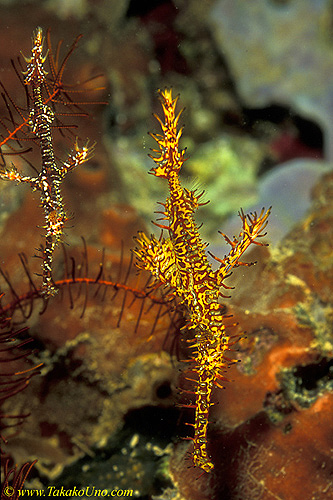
180, 262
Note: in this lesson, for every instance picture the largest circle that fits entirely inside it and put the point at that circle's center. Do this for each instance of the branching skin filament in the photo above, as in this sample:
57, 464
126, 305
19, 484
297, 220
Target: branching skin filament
180, 262
52, 172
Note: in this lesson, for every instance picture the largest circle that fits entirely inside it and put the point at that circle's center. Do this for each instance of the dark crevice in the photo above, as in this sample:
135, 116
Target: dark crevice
310, 377
304, 384
143, 7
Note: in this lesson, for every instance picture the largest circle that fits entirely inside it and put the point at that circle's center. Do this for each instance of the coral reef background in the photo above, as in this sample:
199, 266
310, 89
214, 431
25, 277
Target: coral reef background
258, 131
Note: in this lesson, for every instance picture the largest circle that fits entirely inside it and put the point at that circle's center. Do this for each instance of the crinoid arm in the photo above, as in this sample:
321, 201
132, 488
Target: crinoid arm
14, 376
14, 479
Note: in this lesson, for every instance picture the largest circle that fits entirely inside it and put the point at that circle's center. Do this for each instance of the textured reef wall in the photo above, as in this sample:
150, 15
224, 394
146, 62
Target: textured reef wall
280, 53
